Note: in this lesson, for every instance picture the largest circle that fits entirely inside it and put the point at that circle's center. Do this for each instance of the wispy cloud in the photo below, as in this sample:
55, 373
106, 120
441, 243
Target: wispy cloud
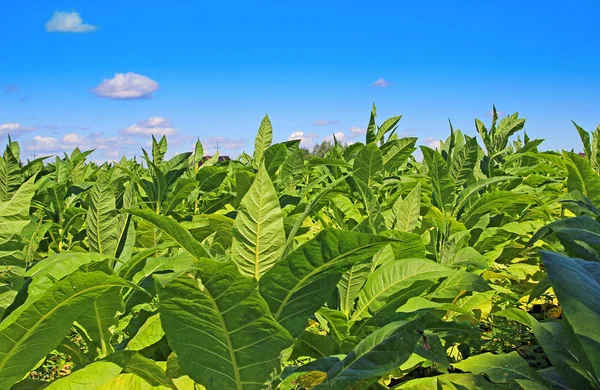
12, 88
62, 21
126, 86
323, 122
107, 148
155, 125
14, 129
381, 83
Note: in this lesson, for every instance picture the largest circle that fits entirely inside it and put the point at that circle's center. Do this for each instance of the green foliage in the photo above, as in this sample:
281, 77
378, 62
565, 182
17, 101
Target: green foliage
357, 266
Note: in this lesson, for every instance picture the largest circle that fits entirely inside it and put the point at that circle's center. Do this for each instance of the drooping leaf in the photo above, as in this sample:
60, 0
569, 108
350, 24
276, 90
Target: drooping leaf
29, 334
173, 230
500, 368
378, 354
298, 285
384, 287
579, 295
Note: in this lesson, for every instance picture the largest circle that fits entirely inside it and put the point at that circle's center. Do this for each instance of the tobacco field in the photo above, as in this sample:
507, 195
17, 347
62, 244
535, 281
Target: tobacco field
475, 268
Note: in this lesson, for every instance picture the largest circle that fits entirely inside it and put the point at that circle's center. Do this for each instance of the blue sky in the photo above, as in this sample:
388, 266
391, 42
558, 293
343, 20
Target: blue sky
213, 69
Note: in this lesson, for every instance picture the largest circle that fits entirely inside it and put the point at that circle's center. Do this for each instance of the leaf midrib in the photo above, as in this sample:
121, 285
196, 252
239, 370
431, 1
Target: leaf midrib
45, 316
315, 271
234, 364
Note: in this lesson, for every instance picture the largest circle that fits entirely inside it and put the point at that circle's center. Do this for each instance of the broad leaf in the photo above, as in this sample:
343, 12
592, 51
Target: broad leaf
220, 327
298, 285
258, 233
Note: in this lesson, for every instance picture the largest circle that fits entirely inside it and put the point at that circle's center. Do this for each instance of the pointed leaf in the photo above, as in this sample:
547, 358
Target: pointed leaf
258, 233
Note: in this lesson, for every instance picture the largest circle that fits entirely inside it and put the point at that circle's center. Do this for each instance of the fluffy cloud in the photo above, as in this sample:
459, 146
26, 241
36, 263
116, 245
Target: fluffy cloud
14, 129
43, 144
155, 125
339, 136
323, 122
433, 143
381, 83
306, 140
68, 22
126, 86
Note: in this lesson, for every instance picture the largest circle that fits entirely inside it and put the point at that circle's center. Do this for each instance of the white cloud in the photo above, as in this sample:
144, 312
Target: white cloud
381, 83
339, 136
155, 125
43, 144
14, 128
68, 22
433, 143
107, 148
73, 138
357, 130
323, 122
306, 140
126, 86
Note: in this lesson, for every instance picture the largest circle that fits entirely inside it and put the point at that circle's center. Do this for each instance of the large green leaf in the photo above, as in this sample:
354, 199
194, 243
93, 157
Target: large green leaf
220, 327
406, 211
474, 189
448, 381
452, 286
10, 175
28, 335
100, 318
397, 152
14, 217
498, 202
258, 233
101, 221
173, 230
298, 285
182, 189
500, 368
437, 170
579, 295
47, 271
553, 338
582, 177
378, 354
210, 178
384, 287
350, 285
100, 373
464, 162
149, 333
263, 140
368, 164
